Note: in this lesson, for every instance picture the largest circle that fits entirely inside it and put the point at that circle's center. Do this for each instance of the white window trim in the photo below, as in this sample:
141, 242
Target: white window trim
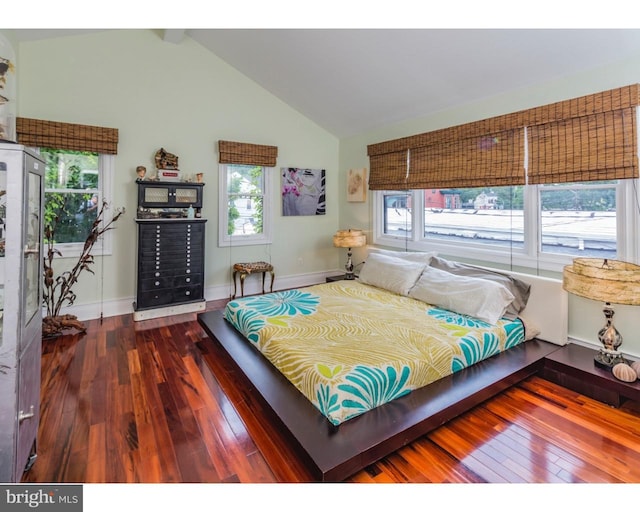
104, 245
628, 233
226, 240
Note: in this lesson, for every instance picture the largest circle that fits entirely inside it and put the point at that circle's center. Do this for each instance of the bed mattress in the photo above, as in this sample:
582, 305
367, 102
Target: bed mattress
349, 347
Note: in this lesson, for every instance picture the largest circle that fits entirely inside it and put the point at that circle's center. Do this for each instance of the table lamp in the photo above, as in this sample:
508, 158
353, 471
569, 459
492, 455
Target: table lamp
349, 238
608, 281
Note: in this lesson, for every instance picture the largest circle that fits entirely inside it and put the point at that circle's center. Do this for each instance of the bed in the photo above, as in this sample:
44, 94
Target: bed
353, 370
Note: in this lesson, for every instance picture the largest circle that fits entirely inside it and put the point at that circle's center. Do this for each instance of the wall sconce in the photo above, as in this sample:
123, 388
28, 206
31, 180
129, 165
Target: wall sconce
349, 238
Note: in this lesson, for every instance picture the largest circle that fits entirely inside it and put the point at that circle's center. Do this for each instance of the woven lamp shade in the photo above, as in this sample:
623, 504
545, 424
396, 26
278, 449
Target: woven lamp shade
349, 238
610, 281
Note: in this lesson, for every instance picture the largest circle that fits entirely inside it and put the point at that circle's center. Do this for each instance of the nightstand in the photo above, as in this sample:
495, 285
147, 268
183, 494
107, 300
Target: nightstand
572, 366
340, 277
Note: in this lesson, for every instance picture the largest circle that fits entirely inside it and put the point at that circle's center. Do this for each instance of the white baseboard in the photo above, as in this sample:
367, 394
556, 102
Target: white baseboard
178, 309
252, 286
598, 346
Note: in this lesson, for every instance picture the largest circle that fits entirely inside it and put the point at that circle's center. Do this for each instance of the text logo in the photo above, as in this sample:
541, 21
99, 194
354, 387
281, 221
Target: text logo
49, 498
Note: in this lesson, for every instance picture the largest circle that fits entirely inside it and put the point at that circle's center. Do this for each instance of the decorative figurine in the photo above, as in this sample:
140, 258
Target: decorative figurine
166, 160
167, 165
141, 171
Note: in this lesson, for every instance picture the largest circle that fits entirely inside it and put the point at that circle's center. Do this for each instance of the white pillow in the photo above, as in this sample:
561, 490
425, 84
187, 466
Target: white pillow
393, 274
480, 298
420, 257
531, 329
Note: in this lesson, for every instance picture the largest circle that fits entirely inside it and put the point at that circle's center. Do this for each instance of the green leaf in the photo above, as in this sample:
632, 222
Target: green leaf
278, 320
327, 372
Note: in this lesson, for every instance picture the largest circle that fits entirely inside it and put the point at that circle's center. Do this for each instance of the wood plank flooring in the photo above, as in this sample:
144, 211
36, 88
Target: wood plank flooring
157, 401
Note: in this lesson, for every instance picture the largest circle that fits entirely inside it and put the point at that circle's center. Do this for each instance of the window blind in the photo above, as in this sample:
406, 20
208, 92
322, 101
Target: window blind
495, 159
388, 171
593, 137
75, 137
601, 146
242, 153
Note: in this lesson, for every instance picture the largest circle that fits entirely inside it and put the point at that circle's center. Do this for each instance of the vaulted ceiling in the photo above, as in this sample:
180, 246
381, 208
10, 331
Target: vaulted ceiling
352, 80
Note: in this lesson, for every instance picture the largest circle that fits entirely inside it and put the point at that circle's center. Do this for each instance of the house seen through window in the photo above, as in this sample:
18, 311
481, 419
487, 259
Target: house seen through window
558, 222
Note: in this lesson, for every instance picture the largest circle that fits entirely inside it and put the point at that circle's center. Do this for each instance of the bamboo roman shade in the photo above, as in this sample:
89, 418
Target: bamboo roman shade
496, 159
247, 154
75, 137
586, 139
589, 138
388, 171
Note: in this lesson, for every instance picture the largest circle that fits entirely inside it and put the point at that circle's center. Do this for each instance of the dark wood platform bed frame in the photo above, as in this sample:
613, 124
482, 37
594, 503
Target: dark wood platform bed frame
332, 453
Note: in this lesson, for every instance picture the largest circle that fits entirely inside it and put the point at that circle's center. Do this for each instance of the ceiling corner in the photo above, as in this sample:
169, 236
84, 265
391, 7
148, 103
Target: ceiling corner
173, 35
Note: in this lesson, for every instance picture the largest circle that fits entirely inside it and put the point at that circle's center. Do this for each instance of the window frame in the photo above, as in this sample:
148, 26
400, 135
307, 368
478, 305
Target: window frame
627, 235
226, 240
104, 245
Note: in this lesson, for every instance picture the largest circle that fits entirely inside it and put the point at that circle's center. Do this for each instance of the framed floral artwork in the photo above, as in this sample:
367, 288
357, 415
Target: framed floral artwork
303, 191
356, 185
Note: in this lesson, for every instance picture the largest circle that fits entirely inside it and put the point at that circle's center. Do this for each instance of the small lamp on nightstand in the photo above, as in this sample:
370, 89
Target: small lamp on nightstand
608, 281
349, 238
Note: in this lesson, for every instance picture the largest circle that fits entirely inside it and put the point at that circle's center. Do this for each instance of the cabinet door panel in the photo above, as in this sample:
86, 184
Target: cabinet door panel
31, 277
169, 195
186, 196
156, 195
28, 403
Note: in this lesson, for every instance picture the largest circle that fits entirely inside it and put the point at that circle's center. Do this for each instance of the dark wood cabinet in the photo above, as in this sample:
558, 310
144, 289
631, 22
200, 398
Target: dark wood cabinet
170, 263
163, 194
170, 259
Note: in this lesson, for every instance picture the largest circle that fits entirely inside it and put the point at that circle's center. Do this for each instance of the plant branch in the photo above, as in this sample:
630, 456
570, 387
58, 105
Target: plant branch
58, 290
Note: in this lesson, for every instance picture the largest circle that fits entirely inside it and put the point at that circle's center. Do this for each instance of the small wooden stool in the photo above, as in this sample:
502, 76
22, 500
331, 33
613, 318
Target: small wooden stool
245, 269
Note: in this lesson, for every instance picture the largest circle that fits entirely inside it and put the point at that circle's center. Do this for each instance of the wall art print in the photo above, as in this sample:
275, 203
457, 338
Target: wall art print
356, 185
303, 191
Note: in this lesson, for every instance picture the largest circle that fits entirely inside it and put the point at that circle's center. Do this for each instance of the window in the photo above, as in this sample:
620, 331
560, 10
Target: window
578, 157
245, 213
532, 226
492, 216
76, 184
579, 219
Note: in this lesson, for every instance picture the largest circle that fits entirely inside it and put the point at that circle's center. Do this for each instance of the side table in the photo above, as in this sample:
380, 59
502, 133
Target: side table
244, 269
339, 277
572, 366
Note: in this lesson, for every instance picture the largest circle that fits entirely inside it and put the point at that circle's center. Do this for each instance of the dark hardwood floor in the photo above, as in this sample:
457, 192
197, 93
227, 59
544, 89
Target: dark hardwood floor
157, 401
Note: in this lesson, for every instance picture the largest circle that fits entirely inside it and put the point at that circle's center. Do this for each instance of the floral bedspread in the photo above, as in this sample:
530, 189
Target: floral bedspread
350, 347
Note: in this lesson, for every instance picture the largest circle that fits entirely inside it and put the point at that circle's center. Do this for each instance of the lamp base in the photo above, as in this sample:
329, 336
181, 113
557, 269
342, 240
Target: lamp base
607, 359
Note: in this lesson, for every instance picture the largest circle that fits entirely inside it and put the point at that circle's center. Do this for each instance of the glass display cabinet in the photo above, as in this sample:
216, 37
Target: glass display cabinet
21, 207
158, 194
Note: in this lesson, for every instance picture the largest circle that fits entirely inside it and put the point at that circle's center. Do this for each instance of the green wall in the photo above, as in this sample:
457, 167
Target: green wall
183, 98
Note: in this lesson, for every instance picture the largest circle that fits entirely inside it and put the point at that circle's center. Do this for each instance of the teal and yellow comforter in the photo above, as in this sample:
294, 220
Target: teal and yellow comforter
350, 347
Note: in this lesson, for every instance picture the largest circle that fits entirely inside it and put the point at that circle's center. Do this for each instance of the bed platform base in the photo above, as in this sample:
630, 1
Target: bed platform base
332, 454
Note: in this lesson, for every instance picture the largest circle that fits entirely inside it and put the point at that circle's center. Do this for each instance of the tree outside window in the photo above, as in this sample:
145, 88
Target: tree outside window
72, 193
